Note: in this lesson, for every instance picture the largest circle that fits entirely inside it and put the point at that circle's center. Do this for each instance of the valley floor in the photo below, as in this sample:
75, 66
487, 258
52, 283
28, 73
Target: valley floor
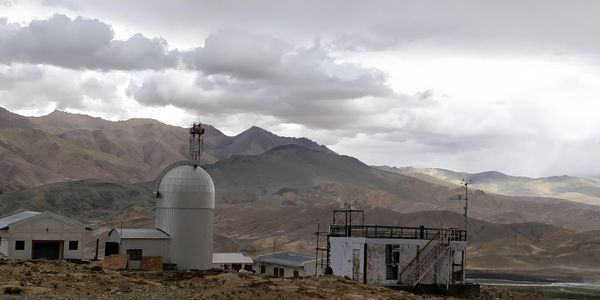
63, 280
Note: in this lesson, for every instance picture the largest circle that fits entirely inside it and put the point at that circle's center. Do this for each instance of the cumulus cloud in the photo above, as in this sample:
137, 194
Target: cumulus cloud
40, 88
243, 72
80, 43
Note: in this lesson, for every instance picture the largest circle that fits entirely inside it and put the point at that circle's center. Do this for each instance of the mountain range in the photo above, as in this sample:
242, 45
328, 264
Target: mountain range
63, 146
272, 191
577, 189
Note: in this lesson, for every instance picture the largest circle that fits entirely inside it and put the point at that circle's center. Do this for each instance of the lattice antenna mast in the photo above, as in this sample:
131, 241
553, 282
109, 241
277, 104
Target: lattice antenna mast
196, 142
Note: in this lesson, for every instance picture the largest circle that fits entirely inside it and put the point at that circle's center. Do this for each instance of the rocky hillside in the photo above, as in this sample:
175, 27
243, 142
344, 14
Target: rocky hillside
63, 146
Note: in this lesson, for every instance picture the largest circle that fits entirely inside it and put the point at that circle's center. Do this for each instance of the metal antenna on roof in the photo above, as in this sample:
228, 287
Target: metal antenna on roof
196, 142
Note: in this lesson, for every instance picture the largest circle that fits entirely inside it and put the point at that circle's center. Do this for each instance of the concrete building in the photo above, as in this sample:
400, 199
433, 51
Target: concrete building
32, 235
285, 264
232, 261
137, 243
395, 255
185, 202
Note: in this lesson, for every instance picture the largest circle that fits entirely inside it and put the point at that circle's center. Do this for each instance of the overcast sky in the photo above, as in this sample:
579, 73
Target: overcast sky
512, 86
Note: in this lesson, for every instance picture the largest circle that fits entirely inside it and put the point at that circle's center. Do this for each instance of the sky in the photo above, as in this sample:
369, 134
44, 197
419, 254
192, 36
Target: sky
511, 86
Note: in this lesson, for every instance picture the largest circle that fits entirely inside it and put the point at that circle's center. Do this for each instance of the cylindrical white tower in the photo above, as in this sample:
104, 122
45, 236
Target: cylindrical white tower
184, 209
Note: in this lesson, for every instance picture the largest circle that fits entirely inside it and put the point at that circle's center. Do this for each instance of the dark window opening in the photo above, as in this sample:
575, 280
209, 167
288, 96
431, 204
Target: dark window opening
236, 267
263, 269
392, 258
134, 254
20, 245
73, 245
111, 248
296, 274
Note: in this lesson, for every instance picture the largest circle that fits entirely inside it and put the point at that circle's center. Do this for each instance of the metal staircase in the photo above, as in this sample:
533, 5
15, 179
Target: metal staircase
426, 258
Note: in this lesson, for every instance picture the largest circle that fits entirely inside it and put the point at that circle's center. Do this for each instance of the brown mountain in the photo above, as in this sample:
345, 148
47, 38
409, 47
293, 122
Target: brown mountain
63, 146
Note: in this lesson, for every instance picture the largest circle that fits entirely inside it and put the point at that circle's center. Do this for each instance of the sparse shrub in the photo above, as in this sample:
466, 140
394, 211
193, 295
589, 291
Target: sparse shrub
13, 290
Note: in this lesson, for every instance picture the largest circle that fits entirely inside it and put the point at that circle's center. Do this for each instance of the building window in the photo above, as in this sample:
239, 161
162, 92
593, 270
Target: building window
263, 269
134, 254
20, 245
281, 272
296, 274
73, 245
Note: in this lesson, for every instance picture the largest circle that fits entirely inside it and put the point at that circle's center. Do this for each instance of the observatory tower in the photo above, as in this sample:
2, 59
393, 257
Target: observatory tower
184, 208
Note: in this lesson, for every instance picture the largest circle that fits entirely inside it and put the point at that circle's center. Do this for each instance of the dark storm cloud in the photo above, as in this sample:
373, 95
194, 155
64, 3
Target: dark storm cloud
512, 26
80, 43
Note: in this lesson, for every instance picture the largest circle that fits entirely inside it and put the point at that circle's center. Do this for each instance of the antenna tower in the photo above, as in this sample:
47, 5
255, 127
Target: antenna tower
196, 142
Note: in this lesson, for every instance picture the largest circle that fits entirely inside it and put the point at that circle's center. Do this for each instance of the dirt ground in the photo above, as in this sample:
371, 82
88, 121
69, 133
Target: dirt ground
64, 280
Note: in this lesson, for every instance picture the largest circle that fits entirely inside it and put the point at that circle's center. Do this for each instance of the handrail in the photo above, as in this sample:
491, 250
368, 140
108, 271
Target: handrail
416, 256
377, 231
428, 256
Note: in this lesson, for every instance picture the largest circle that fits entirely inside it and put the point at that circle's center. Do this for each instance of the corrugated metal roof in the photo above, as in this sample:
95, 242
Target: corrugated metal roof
139, 233
231, 258
284, 259
16, 216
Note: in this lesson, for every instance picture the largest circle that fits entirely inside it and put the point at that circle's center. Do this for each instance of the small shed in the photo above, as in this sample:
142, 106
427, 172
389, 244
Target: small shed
232, 261
286, 264
28, 234
137, 243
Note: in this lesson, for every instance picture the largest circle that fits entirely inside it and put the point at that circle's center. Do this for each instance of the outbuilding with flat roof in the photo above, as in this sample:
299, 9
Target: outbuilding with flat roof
137, 243
232, 261
285, 264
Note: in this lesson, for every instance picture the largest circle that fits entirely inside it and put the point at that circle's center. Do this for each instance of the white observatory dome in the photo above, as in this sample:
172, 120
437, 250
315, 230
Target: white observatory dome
186, 186
184, 209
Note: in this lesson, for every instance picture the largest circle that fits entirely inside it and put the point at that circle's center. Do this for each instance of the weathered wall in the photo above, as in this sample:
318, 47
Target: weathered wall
347, 259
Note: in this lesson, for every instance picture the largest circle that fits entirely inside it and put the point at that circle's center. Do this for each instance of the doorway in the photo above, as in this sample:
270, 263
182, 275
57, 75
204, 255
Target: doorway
47, 249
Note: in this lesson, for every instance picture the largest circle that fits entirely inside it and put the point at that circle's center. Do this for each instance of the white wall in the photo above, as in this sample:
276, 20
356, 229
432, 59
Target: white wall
288, 271
3, 246
48, 228
344, 248
150, 247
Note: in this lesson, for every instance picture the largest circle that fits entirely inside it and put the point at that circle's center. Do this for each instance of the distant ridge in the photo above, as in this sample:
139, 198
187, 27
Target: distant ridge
578, 189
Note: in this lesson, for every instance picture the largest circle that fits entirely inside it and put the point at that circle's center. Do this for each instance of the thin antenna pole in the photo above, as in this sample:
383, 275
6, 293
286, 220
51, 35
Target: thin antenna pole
464, 258
317, 249
466, 184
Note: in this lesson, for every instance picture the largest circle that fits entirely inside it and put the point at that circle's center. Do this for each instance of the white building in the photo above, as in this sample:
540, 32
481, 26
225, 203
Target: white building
137, 243
183, 233
232, 261
395, 255
32, 235
285, 264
